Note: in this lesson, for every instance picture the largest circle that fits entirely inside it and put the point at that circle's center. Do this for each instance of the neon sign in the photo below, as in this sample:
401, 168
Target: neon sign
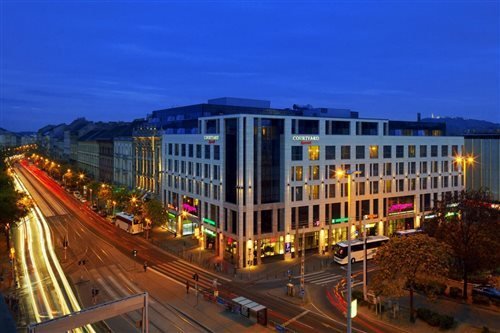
400, 207
188, 208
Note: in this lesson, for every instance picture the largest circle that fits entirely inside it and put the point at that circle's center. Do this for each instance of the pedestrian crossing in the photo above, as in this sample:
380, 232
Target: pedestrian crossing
182, 272
321, 278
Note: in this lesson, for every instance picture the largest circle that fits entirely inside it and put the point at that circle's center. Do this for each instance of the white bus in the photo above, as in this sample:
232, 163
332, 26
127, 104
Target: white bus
128, 223
357, 253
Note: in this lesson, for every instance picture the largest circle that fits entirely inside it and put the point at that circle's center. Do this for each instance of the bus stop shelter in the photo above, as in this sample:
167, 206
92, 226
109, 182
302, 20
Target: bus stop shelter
252, 310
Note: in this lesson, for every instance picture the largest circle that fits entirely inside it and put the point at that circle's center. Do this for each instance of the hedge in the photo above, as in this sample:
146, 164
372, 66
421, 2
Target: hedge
435, 319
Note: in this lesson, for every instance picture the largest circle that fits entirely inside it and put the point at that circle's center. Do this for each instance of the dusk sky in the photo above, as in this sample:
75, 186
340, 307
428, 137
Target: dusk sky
120, 60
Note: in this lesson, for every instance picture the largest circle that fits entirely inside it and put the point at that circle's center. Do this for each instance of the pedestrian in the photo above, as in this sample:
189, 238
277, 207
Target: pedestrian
145, 266
187, 286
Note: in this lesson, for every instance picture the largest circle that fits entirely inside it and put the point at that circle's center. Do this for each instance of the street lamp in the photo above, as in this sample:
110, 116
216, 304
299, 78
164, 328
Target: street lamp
114, 205
349, 174
463, 161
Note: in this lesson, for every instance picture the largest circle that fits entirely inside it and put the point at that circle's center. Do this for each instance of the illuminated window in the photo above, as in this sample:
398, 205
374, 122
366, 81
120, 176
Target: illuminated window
314, 172
373, 151
313, 153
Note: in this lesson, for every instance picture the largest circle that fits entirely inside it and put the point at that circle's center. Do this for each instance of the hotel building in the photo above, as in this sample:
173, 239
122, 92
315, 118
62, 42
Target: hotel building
249, 180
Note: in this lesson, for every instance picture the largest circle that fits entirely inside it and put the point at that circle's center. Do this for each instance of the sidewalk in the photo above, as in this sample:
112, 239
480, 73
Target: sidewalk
271, 269
469, 318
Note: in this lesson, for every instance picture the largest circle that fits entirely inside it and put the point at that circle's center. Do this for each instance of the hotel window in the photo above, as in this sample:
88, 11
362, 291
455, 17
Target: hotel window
412, 151
435, 182
190, 150
345, 152
207, 170
400, 151
444, 181
297, 153
183, 167
374, 187
412, 166
198, 151
298, 193
198, 187
216, 192
412, 184
207, 152
360, 152
423, 167
361, 168
455, 181
445, 167
176, 182
298, 174
400, 185
423, 151
360, 188
454, 150
313, 153
169, 165
176, 166
314, 172
216, 172
183, 150
388, 186
217, 152
329, 152
302, 126
423, 183
330, 171
400, 168
190, 168
444, 151
374, 170
434, 166
337, 127
388, 169
343, 190
206, 189
170, 149
434, 151
331, 190
190, 185
373, 151
176, 149
183, 184
198, 169
387, 151
313, 192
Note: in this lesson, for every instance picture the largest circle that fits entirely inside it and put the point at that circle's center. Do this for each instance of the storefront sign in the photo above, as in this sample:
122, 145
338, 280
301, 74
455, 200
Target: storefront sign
288, 247
209, 232
208, 221
340, 220
400, 207
188, 208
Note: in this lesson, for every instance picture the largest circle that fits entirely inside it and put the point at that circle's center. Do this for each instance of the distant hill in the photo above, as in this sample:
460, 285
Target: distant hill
461, 126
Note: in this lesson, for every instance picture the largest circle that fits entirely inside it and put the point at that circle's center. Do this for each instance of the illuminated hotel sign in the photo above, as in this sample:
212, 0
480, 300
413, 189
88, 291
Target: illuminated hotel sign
188, 208
211, 138
340, 220
305, 139
400, 208
211, 222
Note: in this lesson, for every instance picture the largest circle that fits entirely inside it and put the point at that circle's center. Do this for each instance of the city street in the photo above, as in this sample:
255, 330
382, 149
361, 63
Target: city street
99, 256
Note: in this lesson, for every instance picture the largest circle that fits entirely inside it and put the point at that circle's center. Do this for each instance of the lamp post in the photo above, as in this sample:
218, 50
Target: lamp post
463, 161
341, 174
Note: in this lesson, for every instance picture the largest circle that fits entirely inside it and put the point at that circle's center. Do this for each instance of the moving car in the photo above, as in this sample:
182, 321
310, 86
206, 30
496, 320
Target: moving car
488, 291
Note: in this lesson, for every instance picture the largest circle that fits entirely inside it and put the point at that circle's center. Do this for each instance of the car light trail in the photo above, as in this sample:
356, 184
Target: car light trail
37, 224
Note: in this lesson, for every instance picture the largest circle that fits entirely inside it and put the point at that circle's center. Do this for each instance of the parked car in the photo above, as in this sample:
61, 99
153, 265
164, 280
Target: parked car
488, 291
83, 200
76, 194
94, 207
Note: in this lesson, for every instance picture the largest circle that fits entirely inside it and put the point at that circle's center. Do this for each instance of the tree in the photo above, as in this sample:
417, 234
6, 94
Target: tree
154, 213
470, 225
104, 194
404, 263
13, 204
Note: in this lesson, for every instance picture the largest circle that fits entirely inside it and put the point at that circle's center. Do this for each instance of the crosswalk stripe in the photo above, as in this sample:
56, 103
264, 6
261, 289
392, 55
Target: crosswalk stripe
325, 280
310, 274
